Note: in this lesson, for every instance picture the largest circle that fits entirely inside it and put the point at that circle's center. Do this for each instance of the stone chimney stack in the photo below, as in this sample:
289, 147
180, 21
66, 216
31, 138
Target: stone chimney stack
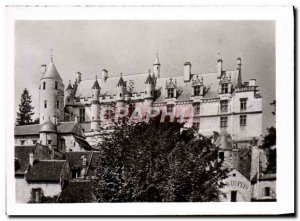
43, 68
78, 77
219, 66
104, 75
31, 158
187, 71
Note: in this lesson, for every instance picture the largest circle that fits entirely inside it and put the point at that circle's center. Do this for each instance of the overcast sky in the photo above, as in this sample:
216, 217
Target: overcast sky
130, 47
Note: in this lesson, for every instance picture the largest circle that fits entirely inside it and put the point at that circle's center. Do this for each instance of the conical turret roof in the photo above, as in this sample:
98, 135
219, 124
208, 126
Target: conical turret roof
149, 79
156, 60
51, 72
69, 86
121, 81
96, 85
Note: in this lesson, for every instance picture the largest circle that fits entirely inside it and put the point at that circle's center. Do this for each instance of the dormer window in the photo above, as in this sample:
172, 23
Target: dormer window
170, 93
197, 91
224, 88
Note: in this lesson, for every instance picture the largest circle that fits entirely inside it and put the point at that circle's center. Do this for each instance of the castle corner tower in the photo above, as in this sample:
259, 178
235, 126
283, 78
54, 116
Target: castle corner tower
51, 94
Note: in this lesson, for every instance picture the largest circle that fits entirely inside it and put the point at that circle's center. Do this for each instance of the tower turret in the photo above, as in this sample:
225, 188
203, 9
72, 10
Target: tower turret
121, 90
156, 67
149, 90
95, 106
51, 92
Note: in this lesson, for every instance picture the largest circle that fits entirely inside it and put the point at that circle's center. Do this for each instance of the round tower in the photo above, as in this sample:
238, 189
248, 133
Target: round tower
48, 133
156, 67
51, 92
149, 91
121, 90
95, 106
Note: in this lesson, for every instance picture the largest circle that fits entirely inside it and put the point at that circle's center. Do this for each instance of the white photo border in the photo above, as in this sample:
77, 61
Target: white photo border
283, 16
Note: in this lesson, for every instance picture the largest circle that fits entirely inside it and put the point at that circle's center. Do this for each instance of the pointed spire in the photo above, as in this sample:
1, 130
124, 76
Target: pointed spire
219, 57
51, 55
149, 79
156, 62
121, 81
69, 86
96, 84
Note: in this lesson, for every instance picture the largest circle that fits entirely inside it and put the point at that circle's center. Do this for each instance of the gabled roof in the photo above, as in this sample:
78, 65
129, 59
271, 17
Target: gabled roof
51, 72
22, 158
46, 170
79, 191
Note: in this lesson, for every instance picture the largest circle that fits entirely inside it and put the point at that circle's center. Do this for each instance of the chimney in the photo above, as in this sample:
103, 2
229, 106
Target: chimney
31, 158
252, 82
76, 119
187, 71
235, 158
104, 75
239, 63
78, 77
43, 68
219, 66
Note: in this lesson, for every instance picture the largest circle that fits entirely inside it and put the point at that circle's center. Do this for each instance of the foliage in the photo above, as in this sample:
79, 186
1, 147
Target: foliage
25, 109
157, 162
269, 144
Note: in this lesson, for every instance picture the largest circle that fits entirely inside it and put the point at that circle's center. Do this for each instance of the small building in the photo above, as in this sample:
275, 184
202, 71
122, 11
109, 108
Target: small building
264, 187
46, 178
237, 188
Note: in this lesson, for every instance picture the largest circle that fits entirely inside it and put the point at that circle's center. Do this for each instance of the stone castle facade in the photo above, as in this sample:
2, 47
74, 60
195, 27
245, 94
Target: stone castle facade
72, 119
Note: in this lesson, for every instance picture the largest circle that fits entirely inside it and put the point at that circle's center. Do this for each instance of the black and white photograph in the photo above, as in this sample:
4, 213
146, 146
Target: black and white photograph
139, 111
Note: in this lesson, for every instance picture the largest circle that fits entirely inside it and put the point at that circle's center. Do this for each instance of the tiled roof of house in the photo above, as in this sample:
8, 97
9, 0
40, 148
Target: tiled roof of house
46, 170
40, 152
74, 159
79, 191
224, 142
51, 72
27, 129
93, 164
34, 129
22, 158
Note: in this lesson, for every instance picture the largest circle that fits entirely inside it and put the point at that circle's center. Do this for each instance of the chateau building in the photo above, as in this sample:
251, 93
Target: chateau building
74, 118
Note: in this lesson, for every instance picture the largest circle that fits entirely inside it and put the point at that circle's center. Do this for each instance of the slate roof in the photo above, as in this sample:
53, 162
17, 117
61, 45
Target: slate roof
48, 127
74, 159
96, 85
93, 164
184, 89
79, 191
51, 72
46, 170
109, 86
224, 142
22, 158
34, 129
27, 129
